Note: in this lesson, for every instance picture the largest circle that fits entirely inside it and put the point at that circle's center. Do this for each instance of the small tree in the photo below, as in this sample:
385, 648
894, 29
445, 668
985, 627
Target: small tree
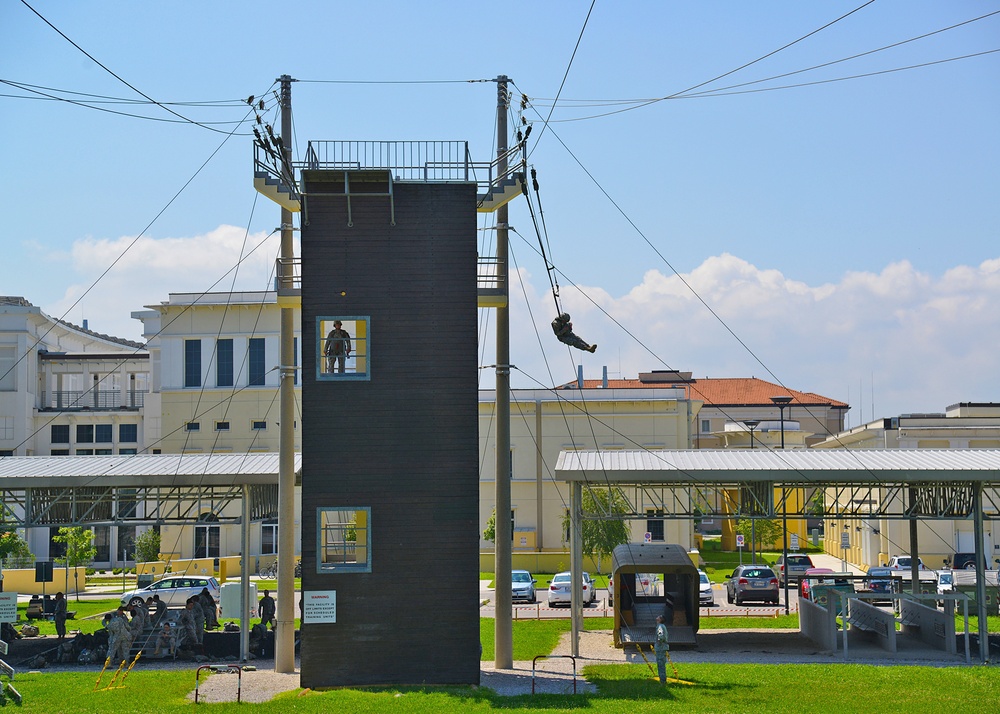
602, 536
147, 546
764, 532
490, 532
80, 550
14, 550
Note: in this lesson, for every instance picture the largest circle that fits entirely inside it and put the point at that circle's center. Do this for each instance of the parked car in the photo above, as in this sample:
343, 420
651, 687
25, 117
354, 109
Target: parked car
174, 590
823, 576
879, 584
705, 594
560, 594
797, 566
963, 561
522, 586
946, 584
752, 582
903, 562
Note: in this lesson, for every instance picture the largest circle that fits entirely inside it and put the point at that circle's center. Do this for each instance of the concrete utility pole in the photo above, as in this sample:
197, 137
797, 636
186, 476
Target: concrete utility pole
503, 633
284, 643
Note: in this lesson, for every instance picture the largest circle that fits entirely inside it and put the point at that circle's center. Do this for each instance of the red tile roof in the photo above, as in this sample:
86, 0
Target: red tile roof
729, 391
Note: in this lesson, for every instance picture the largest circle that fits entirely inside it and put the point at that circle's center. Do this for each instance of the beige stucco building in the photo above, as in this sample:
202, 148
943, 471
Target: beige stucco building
656, 411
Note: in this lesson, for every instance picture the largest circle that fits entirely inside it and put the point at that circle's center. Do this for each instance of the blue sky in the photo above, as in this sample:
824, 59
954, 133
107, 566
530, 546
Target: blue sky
844, 234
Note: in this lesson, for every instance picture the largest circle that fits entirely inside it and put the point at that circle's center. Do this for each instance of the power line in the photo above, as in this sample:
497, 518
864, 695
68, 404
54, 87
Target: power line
393, 81
91, 105
733, 71
112, 73
123, 100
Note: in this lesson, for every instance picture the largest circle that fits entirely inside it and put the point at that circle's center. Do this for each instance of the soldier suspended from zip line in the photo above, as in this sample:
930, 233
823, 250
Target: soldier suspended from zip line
564, 333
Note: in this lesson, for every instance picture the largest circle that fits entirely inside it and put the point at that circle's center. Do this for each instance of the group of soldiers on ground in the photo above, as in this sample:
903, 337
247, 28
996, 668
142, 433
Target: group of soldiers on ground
126, 625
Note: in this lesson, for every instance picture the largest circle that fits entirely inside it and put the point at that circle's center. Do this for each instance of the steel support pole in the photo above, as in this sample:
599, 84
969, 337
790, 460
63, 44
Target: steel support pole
576, 564
503, 627
245, 577
914, 550
977, 529
539, 481
284, 642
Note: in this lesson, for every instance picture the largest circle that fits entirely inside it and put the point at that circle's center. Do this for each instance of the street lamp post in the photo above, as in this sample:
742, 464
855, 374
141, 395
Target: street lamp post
782, 402
752, 424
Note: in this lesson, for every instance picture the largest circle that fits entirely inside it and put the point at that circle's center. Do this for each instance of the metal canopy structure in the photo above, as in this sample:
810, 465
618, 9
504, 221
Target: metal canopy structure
914, 485
894, 484
137, 490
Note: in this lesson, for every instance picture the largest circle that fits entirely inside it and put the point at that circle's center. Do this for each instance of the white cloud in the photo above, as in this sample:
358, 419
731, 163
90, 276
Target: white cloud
923, 341
146, 270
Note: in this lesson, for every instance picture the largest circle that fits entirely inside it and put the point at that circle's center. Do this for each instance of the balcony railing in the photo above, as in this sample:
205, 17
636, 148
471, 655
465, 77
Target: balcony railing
74, 400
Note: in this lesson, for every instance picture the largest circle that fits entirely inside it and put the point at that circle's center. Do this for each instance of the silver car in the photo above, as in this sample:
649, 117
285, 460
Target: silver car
522, 586
752, 582
174, 590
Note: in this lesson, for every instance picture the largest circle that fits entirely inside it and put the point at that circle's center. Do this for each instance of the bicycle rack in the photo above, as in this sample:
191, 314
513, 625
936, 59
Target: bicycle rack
533, 661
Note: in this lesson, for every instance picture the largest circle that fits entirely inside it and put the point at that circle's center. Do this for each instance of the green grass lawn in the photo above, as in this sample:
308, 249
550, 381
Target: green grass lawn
87, 619
624, 688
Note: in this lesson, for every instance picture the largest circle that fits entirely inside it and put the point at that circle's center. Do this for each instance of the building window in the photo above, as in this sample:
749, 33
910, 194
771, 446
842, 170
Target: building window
344, 539
206, 537
59, 452
102, 544
192, 426
222, 426
103, 452
104, 433
85, 433
59, 433
128, 433
84, 452
8, 360
269, 537
258, 425
343, 348
654, 525
128, 452
706, 426
126, 542
224, 363
192, 363
257, 363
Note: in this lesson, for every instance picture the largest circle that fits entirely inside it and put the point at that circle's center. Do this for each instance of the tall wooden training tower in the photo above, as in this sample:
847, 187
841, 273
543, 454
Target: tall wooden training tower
389, 295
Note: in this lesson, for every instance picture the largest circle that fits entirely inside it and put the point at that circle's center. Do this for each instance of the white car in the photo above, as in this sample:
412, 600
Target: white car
559, 592
174, 590
903, 562
705, 594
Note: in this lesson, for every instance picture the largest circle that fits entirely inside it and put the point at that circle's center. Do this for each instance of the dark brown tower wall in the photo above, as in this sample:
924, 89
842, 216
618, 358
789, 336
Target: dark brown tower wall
401, 441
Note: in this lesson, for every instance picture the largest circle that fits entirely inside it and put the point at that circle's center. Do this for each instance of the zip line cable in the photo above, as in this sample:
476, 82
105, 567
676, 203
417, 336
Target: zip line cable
569, 65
